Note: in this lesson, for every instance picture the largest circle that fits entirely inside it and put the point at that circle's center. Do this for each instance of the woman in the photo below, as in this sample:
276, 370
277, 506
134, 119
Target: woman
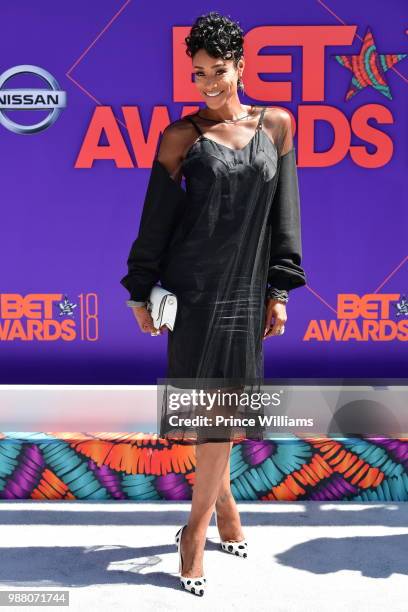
229, 247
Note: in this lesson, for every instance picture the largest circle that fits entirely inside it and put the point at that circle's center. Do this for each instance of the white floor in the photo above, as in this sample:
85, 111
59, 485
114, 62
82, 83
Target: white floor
308, 556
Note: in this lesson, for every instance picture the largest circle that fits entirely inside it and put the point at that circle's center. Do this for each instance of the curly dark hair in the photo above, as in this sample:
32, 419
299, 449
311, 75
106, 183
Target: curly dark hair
218, 35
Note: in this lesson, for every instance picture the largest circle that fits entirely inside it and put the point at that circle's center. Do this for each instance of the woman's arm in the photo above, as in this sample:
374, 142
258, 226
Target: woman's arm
284, 271
163, 206
285, 254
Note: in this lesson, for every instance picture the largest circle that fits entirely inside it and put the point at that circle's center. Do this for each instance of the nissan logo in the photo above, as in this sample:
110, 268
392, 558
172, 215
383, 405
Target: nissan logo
52, 99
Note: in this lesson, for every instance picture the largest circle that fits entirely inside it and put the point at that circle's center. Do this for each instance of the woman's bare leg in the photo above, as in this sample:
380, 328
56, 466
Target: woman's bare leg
228, 519
211, 461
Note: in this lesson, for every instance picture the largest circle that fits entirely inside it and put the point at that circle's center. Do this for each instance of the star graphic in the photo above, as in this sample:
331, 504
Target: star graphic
369, 67
401, 306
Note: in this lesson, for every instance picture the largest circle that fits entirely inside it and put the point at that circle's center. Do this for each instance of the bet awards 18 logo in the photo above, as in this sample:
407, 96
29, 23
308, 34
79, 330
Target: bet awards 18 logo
363, 319
48, 317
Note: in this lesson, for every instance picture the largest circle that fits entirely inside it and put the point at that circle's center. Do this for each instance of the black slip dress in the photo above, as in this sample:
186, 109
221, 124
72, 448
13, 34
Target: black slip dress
237, 229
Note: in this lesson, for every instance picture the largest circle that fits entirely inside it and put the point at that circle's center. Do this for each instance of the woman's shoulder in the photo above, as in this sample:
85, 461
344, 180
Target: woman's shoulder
178, 135
277, 116
278, 124
176, 138
179, 127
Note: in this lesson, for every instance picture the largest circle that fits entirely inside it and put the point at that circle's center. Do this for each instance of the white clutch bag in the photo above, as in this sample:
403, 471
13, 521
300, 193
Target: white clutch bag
162, 305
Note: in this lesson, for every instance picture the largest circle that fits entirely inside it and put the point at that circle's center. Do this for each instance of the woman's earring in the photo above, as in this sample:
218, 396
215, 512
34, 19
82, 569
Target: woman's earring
240, 84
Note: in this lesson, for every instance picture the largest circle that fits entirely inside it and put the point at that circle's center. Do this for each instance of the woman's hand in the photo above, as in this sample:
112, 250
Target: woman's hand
275, 310
145, 321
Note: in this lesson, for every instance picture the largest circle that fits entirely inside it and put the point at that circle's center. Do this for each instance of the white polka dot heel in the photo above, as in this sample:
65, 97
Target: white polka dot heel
195, 585
240, 549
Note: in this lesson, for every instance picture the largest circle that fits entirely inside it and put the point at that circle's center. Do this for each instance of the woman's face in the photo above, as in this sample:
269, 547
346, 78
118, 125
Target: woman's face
214, 75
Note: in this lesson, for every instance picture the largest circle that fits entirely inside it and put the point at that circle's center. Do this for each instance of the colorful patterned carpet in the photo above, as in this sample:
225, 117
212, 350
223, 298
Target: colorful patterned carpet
138, 466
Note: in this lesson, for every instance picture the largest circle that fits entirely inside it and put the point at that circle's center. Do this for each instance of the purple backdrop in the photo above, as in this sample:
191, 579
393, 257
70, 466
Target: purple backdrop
66, 230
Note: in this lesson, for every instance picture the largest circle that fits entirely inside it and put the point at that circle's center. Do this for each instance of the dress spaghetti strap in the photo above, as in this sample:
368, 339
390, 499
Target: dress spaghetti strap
195, 124
261, 116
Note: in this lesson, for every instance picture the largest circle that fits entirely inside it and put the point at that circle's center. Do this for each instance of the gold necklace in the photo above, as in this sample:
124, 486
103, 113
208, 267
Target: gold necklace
226, 120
